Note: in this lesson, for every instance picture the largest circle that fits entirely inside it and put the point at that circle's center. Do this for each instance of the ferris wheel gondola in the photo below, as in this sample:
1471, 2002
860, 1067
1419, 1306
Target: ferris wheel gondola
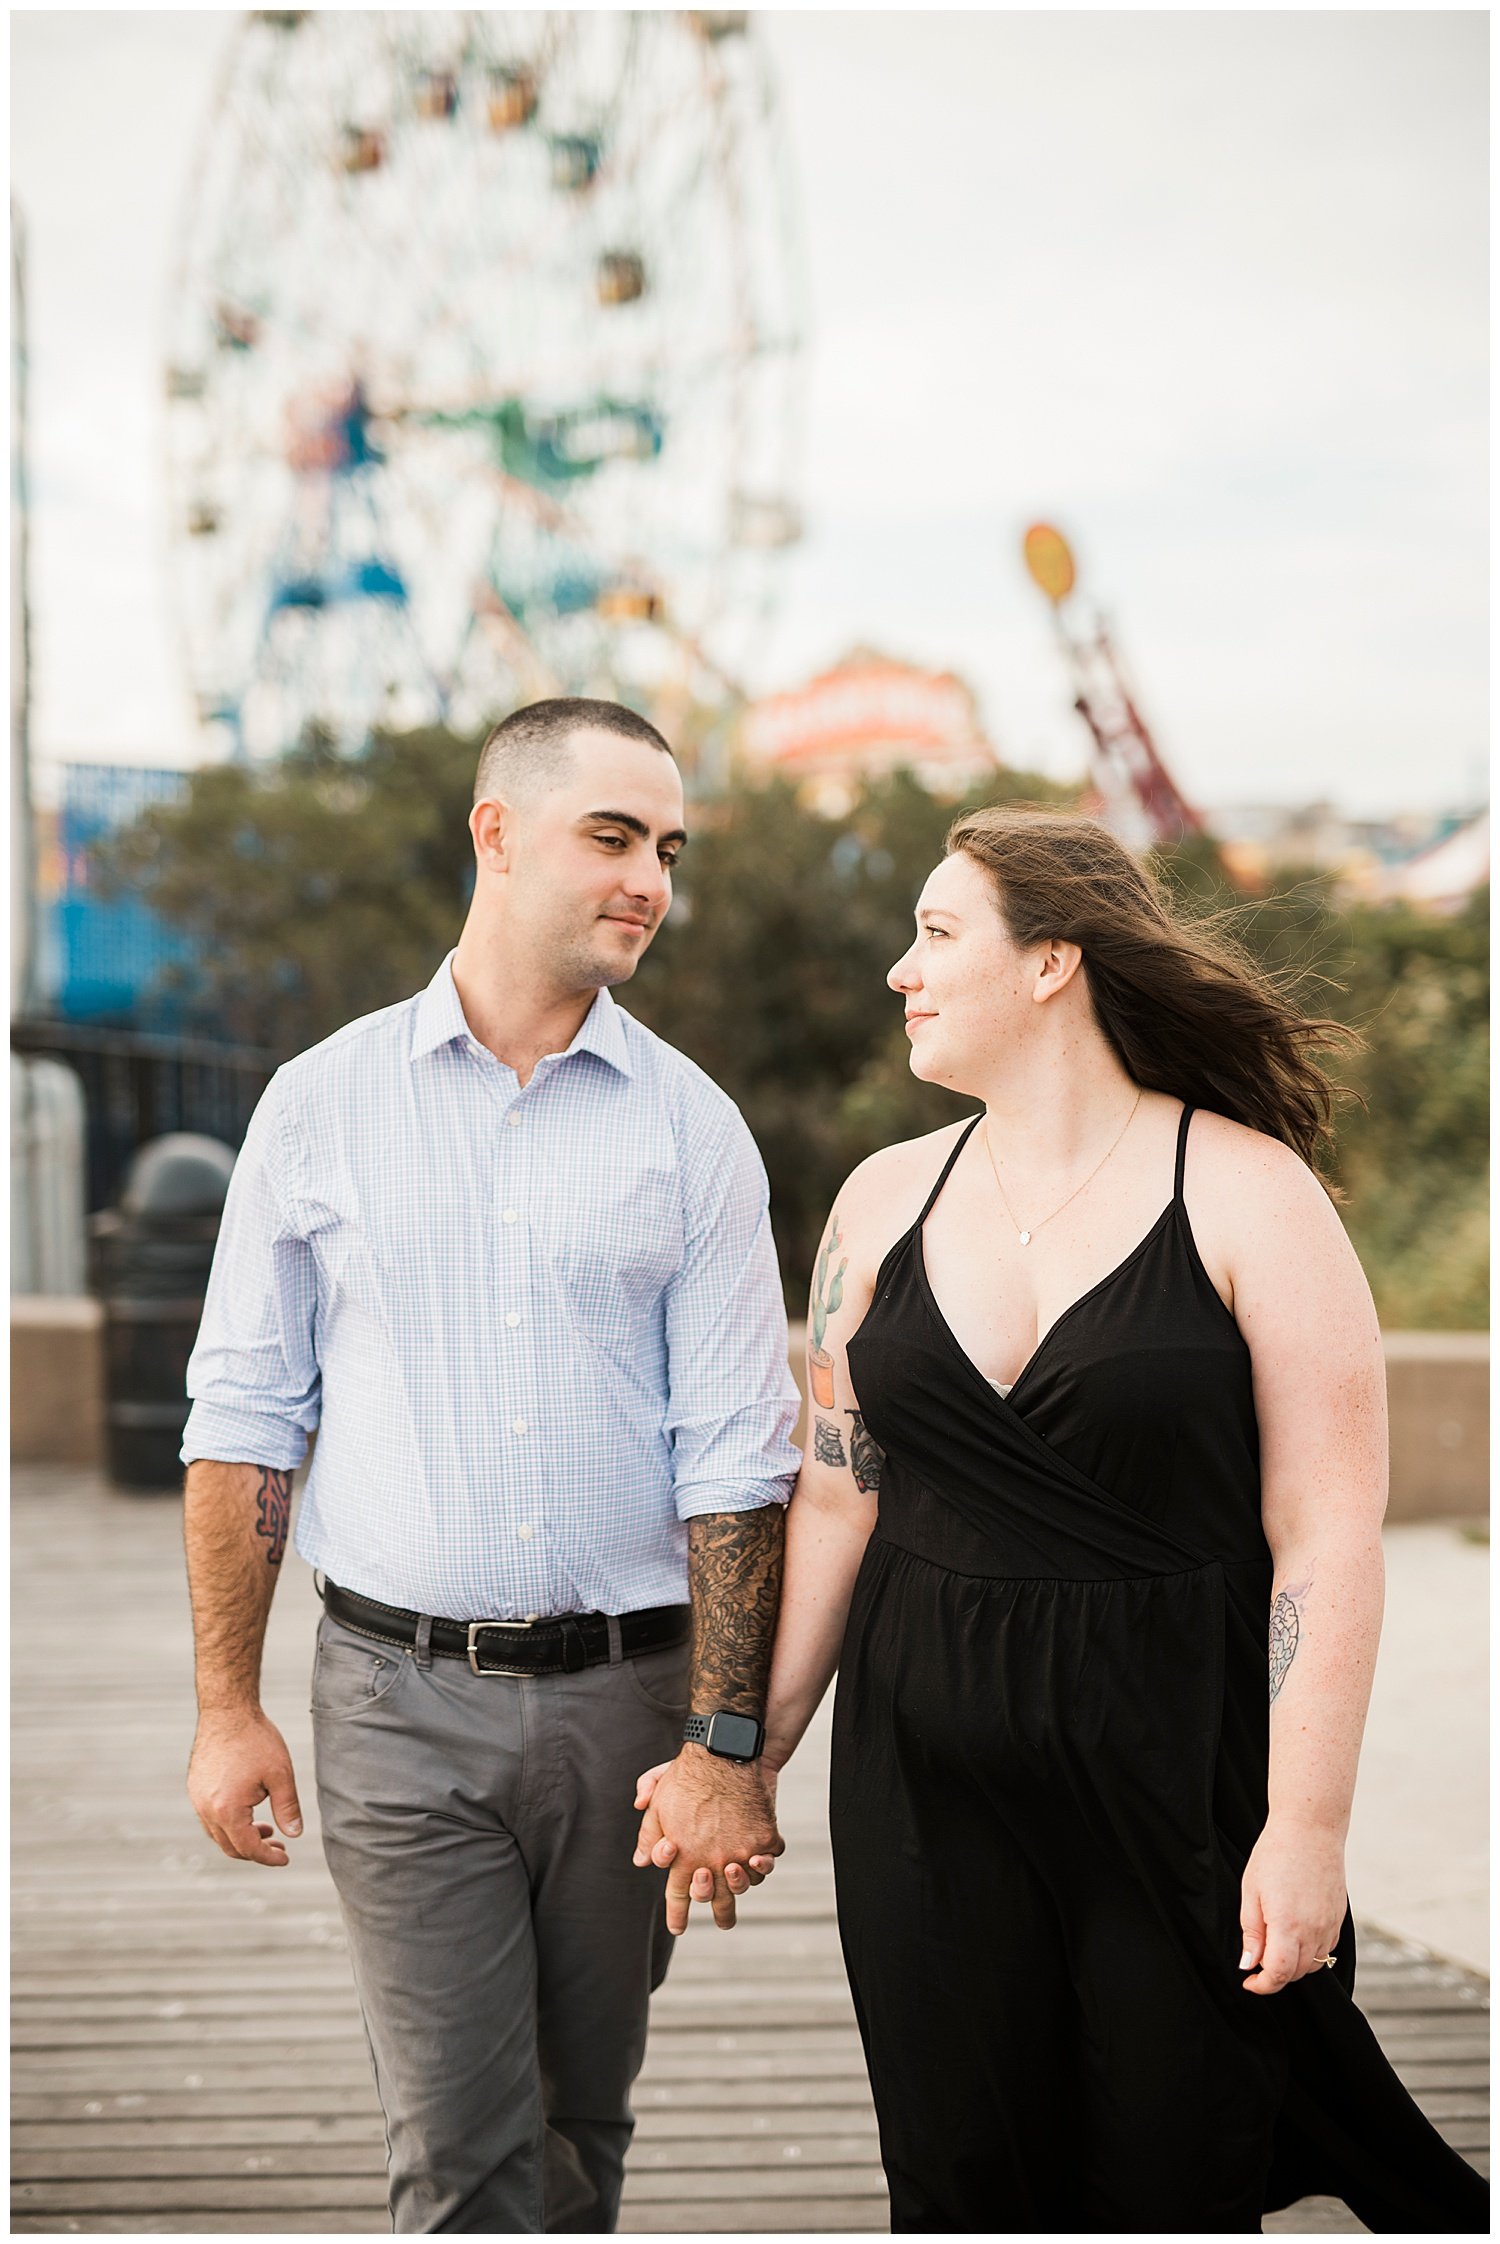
483, 368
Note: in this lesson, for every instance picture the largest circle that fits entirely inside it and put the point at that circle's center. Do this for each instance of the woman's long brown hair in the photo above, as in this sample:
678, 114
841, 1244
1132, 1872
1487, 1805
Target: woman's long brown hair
1182, 1003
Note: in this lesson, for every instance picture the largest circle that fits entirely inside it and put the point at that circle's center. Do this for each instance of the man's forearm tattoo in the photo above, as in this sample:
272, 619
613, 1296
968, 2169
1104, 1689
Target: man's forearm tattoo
273, 1502
734, 1580
828, 1443
865, 1455
1286, 1631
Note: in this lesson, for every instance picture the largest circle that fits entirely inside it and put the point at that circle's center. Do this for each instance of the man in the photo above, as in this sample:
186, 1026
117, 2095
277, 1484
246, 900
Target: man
510, 1254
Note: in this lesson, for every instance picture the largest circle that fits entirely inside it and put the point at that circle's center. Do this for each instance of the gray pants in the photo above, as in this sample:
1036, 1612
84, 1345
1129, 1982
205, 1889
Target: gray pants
479, 1831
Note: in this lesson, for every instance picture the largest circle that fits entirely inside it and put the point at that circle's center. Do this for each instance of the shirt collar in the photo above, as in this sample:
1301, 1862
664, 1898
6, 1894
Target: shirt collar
440, 1020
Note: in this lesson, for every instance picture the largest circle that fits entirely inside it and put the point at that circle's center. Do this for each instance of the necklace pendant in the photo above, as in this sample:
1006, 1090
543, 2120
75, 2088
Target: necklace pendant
1026, 1238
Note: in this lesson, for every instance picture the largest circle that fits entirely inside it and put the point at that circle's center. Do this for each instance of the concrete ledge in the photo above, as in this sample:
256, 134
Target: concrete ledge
1438, 1384
56, 1379
1438, 1389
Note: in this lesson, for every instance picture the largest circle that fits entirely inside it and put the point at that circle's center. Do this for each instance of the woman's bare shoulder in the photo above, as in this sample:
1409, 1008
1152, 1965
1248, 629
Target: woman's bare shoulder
883, 1197
1250, 1196
1231, 1158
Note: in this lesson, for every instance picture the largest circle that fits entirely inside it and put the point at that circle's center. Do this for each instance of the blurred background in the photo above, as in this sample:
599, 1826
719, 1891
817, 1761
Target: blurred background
374, 374
906, 411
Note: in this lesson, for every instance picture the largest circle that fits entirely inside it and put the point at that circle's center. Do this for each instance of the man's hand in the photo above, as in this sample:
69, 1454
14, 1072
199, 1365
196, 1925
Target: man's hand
240, 1759
706, 1820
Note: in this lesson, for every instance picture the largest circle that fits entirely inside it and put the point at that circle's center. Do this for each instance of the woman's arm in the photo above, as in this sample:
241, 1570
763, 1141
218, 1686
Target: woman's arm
833, 1505
1301, 1300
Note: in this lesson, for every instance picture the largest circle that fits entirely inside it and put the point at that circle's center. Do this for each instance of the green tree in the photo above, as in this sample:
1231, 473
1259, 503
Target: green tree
1410, 1160
314, 889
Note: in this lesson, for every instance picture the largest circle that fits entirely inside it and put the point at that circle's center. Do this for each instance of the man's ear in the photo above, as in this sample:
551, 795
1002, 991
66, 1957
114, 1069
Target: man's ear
490, 824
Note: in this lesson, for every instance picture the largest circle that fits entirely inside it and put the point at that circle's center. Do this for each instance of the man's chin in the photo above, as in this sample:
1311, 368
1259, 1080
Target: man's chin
617, 958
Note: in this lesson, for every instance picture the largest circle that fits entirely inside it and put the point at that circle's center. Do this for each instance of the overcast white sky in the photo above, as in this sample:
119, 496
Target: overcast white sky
1205, 288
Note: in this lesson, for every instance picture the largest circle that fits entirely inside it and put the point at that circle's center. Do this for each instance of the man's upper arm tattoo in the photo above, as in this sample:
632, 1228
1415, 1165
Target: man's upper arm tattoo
273, 1511
1286, 1631
865, 1455
734, 1578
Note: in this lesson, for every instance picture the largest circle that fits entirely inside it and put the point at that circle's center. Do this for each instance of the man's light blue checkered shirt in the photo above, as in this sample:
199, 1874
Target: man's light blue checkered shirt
537, 1330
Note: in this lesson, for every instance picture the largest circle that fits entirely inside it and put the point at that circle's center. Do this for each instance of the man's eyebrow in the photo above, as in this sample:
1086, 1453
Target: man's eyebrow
632, 825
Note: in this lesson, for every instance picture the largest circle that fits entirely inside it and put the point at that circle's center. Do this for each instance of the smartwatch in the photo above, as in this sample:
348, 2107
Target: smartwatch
734, 1737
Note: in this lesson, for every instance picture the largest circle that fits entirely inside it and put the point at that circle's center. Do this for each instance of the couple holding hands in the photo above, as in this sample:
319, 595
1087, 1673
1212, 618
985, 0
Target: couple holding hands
1088, 1523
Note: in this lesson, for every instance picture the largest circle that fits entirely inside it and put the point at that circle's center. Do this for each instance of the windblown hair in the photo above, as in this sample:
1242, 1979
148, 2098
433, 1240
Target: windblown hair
1183, 1005
531, 750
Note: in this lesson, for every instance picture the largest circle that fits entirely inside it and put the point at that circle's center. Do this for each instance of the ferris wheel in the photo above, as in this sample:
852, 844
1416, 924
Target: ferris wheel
482, 369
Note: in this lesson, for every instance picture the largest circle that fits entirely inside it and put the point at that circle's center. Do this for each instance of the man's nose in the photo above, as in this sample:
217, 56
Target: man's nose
653, 885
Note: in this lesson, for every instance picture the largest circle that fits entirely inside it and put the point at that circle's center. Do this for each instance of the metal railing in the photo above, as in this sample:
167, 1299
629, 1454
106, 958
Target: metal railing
137, 1085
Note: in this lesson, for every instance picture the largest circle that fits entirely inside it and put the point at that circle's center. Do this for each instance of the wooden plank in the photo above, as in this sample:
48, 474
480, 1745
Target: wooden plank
327, 2221
281, 2103
859, 2216
867, 2216
749, 2155
303, 2192
56, 2138
347, 2065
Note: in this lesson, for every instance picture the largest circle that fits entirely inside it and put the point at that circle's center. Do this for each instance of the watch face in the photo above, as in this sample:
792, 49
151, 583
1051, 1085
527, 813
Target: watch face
735, 1735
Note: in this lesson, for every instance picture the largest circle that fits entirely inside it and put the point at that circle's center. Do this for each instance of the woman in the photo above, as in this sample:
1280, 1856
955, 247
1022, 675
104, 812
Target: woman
1107, 1356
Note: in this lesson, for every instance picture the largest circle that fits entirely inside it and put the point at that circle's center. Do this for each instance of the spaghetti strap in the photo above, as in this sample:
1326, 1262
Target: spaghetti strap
1182, 1130
947, 1168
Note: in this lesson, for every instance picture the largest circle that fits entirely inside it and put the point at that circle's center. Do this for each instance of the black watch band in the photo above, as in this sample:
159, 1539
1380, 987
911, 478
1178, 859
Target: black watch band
733, 1737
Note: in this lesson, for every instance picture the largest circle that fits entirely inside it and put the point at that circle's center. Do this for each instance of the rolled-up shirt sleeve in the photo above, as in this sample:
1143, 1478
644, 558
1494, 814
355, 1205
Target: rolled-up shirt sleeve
253, 1374
732, 1401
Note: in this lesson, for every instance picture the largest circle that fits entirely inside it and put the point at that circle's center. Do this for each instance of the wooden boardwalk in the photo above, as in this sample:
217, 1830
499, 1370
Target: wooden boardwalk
187, 2050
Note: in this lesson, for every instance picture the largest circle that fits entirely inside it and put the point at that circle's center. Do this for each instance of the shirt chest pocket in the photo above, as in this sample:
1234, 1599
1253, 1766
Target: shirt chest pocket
604, 1237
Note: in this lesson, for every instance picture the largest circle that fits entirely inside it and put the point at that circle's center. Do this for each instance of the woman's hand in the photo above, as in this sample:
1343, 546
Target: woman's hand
1292, 1903
737, 1875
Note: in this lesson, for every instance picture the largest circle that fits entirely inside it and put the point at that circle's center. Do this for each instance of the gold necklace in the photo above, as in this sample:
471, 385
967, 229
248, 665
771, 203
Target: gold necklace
1025, 1236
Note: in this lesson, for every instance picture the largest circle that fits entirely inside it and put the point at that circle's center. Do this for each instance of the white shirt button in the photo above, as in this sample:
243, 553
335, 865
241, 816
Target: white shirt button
507, 1215
513, 1318
525, 1532
519, 1425
513, 1120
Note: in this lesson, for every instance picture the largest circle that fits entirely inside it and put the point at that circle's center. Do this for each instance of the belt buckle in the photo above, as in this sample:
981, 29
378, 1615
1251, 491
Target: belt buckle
476, 1626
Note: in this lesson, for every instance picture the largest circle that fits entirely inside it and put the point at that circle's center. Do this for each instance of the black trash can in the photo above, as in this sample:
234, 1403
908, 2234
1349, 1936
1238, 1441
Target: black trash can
151, 1258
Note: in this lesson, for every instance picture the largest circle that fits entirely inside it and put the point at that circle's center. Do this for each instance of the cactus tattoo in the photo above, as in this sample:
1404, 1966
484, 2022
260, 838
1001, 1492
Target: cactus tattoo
827, 1295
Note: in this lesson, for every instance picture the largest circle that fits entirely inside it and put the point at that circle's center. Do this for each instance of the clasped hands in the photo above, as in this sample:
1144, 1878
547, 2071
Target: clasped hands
711, 1825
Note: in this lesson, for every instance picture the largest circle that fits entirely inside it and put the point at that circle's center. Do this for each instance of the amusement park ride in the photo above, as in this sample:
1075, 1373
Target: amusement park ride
1135, 794
482, 369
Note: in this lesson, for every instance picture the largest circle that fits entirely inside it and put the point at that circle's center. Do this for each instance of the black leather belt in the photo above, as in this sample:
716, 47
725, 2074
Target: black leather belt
559, 1646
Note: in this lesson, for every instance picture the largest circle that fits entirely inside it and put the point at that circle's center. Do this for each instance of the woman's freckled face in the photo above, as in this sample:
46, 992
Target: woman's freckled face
961, 977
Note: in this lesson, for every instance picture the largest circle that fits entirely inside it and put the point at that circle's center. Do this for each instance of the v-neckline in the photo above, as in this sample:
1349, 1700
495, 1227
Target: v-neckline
1008, 1401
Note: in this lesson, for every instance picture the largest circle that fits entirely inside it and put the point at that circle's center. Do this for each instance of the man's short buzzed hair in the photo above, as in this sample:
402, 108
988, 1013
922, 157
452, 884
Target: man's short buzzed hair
530, 751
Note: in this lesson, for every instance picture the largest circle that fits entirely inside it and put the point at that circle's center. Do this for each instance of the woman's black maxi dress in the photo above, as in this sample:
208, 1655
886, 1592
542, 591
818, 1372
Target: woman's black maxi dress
1049, 1767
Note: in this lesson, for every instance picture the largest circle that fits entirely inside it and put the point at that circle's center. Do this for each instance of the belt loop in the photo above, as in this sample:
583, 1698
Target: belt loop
616, 1638
423, 1641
